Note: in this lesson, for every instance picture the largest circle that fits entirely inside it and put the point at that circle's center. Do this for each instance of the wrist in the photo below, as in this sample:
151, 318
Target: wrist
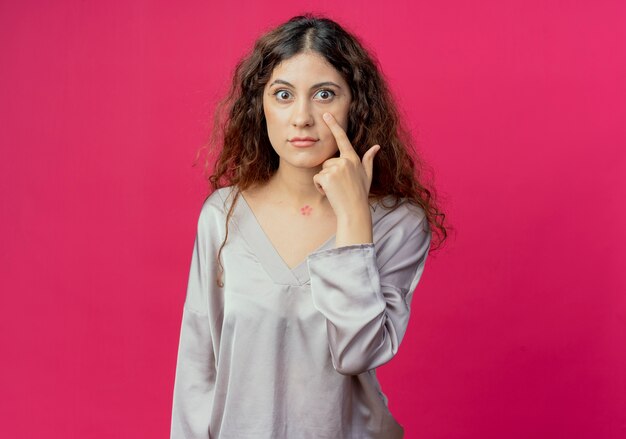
354, 215
355, 228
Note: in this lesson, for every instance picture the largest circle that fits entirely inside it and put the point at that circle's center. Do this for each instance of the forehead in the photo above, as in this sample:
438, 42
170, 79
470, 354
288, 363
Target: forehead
305, 68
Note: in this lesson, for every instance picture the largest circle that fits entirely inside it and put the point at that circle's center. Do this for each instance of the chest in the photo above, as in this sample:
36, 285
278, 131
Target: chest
295, 238
295, 235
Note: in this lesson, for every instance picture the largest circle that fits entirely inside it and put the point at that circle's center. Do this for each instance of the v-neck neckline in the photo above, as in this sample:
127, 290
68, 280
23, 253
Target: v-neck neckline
266, 251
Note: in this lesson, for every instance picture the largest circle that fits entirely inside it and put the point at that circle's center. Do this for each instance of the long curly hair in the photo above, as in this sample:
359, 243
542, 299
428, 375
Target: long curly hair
240, 147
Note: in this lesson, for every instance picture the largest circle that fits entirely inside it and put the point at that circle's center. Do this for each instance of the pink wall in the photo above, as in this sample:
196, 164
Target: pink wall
519, 325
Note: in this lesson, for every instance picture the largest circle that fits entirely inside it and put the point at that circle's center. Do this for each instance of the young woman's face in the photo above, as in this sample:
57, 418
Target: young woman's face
300, 90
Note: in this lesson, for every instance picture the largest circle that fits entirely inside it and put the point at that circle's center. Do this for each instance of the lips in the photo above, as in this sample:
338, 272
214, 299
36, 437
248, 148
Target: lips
302, 142
301, 139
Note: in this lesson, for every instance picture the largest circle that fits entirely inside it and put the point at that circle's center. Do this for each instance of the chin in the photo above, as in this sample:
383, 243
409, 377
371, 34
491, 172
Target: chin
306, 164
302, 162
308, 161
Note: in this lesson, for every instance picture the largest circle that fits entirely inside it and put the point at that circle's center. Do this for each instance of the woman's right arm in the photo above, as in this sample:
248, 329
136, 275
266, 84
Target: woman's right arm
195, 367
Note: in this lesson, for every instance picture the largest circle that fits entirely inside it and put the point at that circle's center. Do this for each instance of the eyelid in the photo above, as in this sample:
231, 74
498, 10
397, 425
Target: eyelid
275, 93
329, 90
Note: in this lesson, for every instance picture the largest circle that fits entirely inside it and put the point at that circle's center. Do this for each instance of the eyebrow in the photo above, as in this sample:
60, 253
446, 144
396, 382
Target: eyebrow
319, 84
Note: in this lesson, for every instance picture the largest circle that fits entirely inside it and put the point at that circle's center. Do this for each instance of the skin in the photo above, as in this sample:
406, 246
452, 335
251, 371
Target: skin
312, 190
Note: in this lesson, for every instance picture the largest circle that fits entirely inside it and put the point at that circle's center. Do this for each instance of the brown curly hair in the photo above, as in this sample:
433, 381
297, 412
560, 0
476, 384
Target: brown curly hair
239, 144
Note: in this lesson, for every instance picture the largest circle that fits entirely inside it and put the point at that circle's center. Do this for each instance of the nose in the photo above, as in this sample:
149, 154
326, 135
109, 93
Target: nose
302, 115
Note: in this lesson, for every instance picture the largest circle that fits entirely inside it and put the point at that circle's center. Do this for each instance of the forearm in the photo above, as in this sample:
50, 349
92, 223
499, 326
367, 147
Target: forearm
361, 331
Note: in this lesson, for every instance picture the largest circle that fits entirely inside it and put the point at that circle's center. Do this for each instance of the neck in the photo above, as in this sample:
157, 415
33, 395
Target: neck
296, 187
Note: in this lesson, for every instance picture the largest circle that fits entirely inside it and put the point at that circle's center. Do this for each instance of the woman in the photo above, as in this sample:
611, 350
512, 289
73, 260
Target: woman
307, 252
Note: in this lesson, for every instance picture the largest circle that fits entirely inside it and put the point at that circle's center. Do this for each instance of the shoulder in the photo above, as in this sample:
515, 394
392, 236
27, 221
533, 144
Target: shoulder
402, 238
214, 211
398, 214
217, 202
399, 228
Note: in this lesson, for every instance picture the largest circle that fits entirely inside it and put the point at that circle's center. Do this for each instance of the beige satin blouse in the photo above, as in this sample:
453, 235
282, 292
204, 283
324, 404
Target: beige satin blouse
291, 353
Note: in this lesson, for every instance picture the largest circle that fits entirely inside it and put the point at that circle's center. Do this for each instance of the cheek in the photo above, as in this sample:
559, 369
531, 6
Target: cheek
267, 112
341, 112
344, 123
270, 119
346, 114
275, 115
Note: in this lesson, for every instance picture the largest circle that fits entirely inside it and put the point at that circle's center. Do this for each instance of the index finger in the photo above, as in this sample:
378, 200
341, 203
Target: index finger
343, 143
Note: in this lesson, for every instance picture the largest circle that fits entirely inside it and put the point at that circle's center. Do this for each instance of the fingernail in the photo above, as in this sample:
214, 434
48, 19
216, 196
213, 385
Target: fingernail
327, 116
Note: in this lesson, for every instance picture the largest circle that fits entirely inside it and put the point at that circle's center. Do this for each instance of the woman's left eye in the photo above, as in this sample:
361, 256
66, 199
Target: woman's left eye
325, 94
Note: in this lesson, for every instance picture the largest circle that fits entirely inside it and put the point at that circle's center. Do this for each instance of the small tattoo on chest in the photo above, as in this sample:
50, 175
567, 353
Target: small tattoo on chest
306, 210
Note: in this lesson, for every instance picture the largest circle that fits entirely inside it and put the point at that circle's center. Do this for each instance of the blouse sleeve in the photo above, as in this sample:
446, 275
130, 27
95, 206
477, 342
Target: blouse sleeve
195, 367
366, 297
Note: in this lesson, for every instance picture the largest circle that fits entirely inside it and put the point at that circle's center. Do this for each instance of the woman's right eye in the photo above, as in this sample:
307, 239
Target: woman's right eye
282, 95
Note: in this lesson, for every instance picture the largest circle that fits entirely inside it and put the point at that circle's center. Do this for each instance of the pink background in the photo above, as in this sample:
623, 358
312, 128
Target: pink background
518, 326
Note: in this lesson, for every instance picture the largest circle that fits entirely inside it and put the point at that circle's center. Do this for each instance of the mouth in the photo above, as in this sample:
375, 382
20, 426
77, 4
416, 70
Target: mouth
302, 142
